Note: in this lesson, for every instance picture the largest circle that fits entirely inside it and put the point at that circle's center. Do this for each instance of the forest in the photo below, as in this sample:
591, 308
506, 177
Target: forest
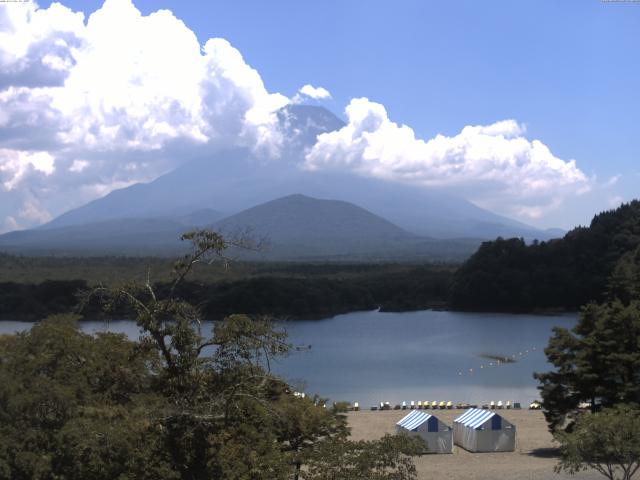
503, 275
563, 274
286, 291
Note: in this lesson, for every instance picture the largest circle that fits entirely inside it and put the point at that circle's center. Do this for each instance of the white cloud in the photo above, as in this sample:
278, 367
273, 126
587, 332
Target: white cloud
9, 224
317, 93
78, 166
152, 83
32, 211
612, 181
615, 201
495, 164
115, 91
36, 45
84, 110
16, 165
149, 83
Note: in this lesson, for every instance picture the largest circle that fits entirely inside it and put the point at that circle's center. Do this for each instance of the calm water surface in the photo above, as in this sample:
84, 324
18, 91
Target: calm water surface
429, 355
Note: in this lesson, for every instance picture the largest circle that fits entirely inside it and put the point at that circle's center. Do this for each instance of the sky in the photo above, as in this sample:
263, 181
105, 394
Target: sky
526, 108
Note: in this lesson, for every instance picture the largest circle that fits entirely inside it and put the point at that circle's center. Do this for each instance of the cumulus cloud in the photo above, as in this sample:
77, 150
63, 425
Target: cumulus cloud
32, 211
494, 164
111, 97
16, 166
317, 93
93, 103
309, 92
36, 46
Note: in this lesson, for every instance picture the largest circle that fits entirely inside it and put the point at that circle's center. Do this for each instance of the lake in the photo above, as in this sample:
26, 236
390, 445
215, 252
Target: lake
370, 357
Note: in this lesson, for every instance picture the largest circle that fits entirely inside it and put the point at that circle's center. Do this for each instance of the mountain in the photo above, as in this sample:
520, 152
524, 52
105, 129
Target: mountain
564, 273
199, 218
130, 236
301, 226
233, 180
296, 227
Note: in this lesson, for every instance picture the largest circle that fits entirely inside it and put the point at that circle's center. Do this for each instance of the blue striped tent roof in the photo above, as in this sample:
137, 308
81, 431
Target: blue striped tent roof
474, 418
414, 420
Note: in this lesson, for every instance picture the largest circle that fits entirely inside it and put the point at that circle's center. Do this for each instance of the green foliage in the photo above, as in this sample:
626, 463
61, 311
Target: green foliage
559, 274
388, 458
283, 297
53, 381
302, 422
281, 290
598, 361
607, 441
173, 405
33, 302
624, 282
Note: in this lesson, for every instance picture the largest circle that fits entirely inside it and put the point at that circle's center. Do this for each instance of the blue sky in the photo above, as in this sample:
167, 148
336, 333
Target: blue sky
569, 71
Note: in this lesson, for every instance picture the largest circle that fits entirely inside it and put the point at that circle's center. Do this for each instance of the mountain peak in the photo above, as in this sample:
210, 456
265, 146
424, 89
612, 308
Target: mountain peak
302, 124
298, 197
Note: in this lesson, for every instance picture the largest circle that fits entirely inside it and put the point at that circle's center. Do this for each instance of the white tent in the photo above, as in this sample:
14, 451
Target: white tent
437, 434
480, 430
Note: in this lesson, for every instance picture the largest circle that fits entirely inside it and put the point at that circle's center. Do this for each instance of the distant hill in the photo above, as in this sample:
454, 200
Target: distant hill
311, 226
301, 227
233, 180
125, 236
297, 227
129, 236
559, 274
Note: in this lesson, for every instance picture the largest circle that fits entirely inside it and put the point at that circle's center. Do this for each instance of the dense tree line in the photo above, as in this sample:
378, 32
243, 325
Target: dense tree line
110, 270
559, 274
19, 301
292, 296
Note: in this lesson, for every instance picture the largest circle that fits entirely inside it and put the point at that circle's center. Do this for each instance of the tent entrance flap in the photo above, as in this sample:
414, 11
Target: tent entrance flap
496, 422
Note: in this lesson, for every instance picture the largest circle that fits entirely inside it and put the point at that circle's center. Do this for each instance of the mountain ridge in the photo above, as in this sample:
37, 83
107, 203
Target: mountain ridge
233, 180
298, 227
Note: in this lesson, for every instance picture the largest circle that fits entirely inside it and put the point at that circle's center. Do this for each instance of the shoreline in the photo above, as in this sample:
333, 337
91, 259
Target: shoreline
319, 317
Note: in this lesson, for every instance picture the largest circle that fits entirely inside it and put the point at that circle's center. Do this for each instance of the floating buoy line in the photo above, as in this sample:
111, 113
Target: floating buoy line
497, 360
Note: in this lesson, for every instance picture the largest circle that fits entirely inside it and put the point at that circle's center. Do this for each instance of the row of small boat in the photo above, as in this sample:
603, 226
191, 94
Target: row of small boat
441, 405
448, 405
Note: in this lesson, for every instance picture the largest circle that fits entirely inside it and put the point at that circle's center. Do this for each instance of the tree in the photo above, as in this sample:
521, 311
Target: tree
624, 282
607, 441
229, 416
173, 405
598, 361
564, 273
388, 458
303, 422
76, 406
221, 395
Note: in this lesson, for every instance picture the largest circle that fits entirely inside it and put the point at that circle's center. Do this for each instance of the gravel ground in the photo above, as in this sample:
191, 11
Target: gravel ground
534, 457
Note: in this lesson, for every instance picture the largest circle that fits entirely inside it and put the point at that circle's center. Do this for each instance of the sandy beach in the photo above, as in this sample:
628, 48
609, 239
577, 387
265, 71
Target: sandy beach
534, 457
